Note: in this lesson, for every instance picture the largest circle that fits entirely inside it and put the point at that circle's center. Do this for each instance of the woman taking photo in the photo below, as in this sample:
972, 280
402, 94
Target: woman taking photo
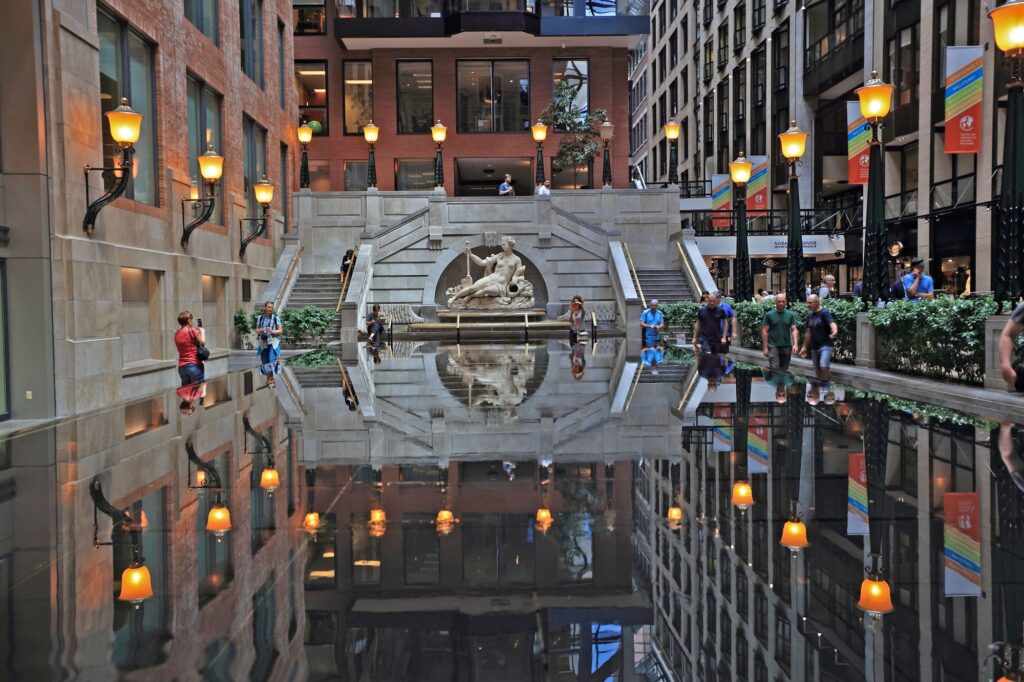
188, 339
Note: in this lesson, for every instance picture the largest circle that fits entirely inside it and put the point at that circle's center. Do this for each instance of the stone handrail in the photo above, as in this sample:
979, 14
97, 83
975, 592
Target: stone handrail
353, 309
693, 264
283, 277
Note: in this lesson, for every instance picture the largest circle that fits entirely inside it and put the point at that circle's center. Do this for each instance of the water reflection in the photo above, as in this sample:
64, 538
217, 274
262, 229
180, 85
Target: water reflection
495, 513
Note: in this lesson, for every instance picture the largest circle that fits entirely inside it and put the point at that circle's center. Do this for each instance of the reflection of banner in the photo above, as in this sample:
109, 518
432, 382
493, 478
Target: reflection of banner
757, 445
961, 546
721, 417
757, 187
964, 67
856, 496
721, 198
858, 134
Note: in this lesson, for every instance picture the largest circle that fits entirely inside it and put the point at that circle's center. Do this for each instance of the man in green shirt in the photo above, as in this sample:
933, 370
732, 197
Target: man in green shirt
779, 335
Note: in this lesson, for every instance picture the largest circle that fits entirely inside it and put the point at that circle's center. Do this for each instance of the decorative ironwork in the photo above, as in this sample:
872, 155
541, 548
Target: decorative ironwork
212, 479
261, 228
794, 242
743, 286
206, 204
119, 175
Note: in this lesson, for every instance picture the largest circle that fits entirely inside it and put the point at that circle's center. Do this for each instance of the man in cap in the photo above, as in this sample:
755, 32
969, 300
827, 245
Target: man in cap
917, 283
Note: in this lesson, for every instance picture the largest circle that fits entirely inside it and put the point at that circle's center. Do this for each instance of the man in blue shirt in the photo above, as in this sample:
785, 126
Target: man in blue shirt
916, 283
505, 188
652, 321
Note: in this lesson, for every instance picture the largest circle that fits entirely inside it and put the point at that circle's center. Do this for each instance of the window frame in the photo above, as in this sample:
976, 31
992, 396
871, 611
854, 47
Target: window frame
567, 61
249, 154
398, 115
326, 128
5, 356
427, 161
491, 62
281, 95
252, 12
344, 97
306, 5
217, 217
201, 26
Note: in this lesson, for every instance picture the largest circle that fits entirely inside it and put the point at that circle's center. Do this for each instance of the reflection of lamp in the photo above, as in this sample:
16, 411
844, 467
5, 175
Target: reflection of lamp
674, 516
739, 171
136, 583
742, 495
211, 167
218, 520
672, 133
794, 143
875, 595
540, 133
794, 533
370, 132
311, 522
305, 134
607, 130
543, 520
264, 192
125, 128
270, 480
445, 522
438, 133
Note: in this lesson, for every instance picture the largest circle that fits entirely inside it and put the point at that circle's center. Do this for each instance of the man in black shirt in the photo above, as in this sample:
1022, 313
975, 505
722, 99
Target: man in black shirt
820, 337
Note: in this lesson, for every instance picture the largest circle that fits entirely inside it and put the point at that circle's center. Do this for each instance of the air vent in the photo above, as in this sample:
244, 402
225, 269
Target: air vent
492, 39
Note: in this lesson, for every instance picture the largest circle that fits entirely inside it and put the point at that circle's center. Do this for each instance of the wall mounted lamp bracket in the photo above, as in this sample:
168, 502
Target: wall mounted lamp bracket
203, 207
261, 228
118, 175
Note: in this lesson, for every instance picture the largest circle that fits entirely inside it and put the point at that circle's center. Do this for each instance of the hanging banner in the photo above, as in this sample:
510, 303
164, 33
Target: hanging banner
964, 68
757, 187
757, 444
858, 134
721, 201
961, 545
721, 418
856, 495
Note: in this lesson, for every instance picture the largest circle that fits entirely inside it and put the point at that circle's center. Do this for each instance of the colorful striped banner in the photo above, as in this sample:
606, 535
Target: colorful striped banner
721, 419
721, 201
856, 495
964, 71
961, 545
757, 187
757, 445
858, 135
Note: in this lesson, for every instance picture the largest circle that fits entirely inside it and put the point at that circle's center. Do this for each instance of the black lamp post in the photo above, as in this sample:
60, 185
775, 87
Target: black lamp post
875, 100
305, 133
540, 133
438, 132
794, 142
370, 132
125, 128
672, 134
607, 131
739, 171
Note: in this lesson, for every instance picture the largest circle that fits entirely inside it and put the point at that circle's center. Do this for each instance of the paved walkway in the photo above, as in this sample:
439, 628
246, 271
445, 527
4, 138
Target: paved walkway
984, 402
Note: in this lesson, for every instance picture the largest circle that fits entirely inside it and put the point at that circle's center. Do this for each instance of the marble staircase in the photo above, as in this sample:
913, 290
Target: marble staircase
668, 286
321, 291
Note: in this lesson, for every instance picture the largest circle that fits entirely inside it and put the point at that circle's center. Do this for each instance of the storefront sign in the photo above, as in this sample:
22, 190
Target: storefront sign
769, 246
858, 134
757, 444
856, 495
961, 545
757, 187
964, 69
721, 201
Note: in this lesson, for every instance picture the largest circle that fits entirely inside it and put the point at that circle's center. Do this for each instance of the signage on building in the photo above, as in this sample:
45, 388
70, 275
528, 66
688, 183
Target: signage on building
721, 200
961, 545
858, 134
757, 187
757, 444
771, 246
964, 69
856, 495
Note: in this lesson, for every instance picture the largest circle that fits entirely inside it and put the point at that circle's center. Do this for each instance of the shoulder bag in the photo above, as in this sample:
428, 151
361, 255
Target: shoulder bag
202, 352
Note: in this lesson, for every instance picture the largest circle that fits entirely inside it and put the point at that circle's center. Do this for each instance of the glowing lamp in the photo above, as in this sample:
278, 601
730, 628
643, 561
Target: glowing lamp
211, 165
875, 597
125, 124
445, 522
378, 523
370, 132
1008, 25
794, 535
305, 133
437, 132
875, 98
674, 516
794, 142
270, 480
543, 520
264, 191
193, 190
740, 169
672, 130
607, 130
311, 522
378, 516
540, 131
200, 479
218, 521
742, 495
136, 584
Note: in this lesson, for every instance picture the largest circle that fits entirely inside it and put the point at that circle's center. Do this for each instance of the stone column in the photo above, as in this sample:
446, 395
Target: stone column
993, 330
865, 342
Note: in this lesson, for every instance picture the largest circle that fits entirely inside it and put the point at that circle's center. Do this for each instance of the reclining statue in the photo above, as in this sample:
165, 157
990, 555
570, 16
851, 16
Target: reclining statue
502, 286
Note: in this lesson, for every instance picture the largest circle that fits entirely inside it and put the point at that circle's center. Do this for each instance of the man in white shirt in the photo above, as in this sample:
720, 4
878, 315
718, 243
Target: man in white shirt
544, 189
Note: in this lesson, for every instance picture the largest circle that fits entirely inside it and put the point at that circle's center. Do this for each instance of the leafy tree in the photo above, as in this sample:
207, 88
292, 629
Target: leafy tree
580, 137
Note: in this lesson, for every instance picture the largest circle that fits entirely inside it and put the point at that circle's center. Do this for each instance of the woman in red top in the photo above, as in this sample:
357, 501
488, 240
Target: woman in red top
189, 368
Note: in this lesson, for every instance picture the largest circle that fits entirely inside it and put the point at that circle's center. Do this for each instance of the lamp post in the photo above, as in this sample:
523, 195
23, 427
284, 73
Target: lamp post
305, 134
438, 132
540, 133
264, 192
794, 143
607, 132
125, 127
875, 100
211, 167
739, 171
1008, 277
672, 134
370, 132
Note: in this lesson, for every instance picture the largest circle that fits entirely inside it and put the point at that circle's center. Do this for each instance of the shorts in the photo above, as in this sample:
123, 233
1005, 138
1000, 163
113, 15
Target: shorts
822, 357
191, 374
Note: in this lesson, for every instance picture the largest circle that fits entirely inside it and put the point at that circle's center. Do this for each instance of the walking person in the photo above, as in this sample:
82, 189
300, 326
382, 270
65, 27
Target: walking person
827, 288
268, 331
710, 329
543, 189
1013, 374
188, 340
505, 189
820, 337
652, 321
577, 316
917, 283
779, 335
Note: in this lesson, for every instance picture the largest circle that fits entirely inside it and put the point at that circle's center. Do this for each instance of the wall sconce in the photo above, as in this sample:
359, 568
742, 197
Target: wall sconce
211, 167
311, 522
264, 195
218, 521
136, 582
270, 479
125, 127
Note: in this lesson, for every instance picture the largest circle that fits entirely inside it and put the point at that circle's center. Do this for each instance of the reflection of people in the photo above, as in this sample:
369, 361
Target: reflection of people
1008, 452
781, 381
502, 271
269, 330
652, 356
190, 395
577, 315
820, 337
577, 361
1013, 375
712, 368
270, 370
652, 321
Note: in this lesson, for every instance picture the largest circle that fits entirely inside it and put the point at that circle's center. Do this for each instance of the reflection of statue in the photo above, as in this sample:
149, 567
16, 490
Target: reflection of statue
494, 378
502, 286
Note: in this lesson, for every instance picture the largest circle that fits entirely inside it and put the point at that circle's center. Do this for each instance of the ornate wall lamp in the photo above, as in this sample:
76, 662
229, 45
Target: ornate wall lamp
540, 133
270, 479
311, 522
607, 131
211, 167
264, 192
305, 134
136, 581
438, 132
206, 477
370, 132
125, 127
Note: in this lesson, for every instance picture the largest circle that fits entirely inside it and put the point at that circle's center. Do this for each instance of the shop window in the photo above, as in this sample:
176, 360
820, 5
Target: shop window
415, 174
358, 94
203, 15
577, 73
311, 90
204, 129
355, 176
309, 17
493, 96
251, 39
415, 101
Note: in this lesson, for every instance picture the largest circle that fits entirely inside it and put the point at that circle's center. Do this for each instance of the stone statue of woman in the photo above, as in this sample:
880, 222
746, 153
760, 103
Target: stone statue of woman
502, 281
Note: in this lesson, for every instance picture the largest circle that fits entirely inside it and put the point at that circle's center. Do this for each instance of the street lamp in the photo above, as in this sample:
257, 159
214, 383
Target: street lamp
543, 520
607, 131
1008, 278
875, 100
875, 594
305, 134
211, 167
672, 134
438, 133
739, 171
794, 143
125, 128
540, 133
370, 132
264, 192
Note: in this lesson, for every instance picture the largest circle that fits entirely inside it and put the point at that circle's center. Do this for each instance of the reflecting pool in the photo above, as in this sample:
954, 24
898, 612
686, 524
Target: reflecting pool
491, 512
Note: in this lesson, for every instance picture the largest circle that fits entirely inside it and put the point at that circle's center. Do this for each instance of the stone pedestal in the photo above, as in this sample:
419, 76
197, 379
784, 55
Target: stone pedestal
993, 330
866, 356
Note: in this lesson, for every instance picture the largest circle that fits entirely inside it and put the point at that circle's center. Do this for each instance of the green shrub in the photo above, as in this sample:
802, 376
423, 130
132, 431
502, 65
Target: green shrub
305, 325
317, 358
245, 322
680, 314
750, 316
941, 339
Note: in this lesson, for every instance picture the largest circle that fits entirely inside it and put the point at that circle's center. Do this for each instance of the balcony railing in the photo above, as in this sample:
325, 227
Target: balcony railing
776, 222
902, 205
695, 189
407, 9
836, 39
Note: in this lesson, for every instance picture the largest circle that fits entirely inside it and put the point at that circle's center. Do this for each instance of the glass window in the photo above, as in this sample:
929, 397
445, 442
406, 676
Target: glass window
204, 129
493, 96
126, 70
309, 17
320, 176
577, 73
251, 38
280, 65
261, 504
203, 15
903, 64
285, 185
255, 158
311, 90
421, 549
355, 176
415, 96
366, 553
358, 92
264, 615
415, 174
5, 405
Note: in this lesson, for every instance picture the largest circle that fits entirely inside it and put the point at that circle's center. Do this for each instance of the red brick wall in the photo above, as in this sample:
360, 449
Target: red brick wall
609, 90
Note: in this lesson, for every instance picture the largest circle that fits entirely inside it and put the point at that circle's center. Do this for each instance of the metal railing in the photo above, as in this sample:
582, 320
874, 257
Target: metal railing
776, 222
901, 205
829, 45
955, 192
288, 276
694, 189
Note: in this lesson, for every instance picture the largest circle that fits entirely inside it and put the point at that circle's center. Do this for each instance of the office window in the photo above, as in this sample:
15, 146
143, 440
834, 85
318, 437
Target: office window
204, 129
320, 176
415, 174
203, 15
309, 17
5, 405
126, 70
415, 96
355, 176
904, 69
311, 91
576, 73
280, 65
358, 93
254, 151
251, 37
493, 96
282, 192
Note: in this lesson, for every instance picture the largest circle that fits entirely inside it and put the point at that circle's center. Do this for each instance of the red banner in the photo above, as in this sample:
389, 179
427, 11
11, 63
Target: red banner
757, 187
961, 547
964, 70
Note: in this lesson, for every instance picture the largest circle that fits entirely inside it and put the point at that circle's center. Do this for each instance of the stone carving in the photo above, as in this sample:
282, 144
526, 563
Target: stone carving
502, 287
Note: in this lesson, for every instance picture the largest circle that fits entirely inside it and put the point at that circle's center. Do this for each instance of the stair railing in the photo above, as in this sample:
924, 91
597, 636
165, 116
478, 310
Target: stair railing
633, 273
694, 281
288, 276
344, 284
